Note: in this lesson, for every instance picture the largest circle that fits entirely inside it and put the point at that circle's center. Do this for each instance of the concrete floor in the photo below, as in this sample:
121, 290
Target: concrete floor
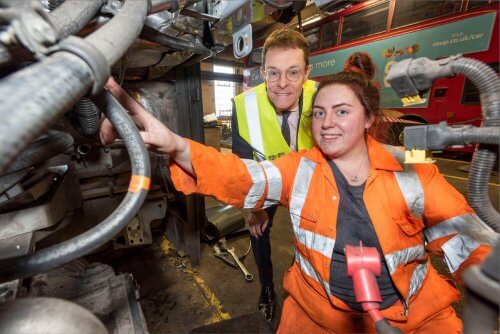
177, 298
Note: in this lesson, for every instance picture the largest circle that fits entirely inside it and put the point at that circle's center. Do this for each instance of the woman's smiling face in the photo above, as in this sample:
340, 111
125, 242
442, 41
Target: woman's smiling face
338, 121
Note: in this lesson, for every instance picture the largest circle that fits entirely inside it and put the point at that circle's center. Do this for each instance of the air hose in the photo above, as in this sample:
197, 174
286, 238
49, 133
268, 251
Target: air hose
52, 257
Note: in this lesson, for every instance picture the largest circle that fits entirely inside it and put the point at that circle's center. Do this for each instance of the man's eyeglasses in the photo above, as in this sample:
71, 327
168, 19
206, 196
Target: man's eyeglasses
292, 74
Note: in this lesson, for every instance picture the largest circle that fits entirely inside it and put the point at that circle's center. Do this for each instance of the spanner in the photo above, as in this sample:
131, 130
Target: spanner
248, 276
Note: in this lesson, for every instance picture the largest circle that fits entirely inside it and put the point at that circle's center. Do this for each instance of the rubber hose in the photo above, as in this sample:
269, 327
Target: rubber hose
175, 43
88, 117
115, 37
52, 257
484, 135
45, 90
72, 15
46, 147
53, 4
483, 161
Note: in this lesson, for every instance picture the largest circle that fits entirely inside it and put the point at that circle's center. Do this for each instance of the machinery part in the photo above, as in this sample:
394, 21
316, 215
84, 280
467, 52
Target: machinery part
8, 184
91, 55
29, 26
242, 42
46, 147
47, 89
412, 76
72, 15
439, 136
223, 220
47, 315
88, 117
153, 35
278, 4
97, 288
224, 9
127, 24
65, 199
54, 256
248, 276
242, 31
363, 264
482, 291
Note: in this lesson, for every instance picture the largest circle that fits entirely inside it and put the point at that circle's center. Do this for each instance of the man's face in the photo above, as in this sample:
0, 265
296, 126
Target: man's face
285, 72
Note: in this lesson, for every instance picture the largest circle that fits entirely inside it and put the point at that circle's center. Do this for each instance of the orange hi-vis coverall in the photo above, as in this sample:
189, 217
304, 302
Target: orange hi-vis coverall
413, 209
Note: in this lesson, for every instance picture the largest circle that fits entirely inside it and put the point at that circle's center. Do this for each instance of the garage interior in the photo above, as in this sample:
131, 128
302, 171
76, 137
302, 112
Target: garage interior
167, 270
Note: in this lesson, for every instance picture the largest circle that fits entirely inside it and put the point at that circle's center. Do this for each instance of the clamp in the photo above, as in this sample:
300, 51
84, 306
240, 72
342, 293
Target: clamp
94, 58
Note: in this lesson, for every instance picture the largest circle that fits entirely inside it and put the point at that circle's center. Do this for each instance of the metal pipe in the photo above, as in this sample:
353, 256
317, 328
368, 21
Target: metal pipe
52, 257
45, 90
72, 15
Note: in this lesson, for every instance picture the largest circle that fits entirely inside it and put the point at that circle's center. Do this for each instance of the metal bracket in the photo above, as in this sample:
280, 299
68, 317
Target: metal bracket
30, 26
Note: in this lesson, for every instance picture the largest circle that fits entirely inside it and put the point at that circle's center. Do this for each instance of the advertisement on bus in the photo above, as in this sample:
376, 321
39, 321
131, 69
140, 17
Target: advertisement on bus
465, 36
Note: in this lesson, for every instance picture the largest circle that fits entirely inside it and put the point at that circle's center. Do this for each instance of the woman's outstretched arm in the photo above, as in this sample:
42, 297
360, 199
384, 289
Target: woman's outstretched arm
155, 134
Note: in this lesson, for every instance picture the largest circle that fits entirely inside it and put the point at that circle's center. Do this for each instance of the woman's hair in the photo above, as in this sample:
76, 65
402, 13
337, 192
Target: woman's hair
367, 94
361, 62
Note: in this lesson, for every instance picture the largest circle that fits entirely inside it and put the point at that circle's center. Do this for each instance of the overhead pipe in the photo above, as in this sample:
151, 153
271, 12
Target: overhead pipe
72, 15
52, 257
34, 97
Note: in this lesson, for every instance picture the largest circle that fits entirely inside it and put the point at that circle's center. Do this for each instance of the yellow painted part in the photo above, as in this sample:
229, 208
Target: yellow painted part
166, 246
411, 100
214, 303
418, 157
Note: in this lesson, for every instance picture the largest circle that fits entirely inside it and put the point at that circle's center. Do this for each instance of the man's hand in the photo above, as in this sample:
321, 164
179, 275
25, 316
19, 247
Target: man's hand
155, 134
257, 221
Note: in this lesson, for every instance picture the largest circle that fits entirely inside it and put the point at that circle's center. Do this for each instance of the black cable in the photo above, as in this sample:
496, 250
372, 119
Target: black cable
52, 257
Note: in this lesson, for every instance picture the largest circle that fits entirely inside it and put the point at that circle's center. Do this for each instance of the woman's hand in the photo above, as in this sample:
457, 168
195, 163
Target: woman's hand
155, 134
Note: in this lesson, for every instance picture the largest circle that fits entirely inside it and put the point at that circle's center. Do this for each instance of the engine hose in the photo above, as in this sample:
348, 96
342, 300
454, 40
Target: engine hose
45, 90
485, 135
46, 147
88, 117
153, 35
52, 257
483, 161
53, 4
72, 15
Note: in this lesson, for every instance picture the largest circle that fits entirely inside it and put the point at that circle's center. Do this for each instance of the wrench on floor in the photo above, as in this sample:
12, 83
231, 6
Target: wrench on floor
248, 276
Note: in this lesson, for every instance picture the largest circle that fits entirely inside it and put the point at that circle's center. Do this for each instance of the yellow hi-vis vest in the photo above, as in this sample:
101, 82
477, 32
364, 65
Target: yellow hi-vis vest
259, 126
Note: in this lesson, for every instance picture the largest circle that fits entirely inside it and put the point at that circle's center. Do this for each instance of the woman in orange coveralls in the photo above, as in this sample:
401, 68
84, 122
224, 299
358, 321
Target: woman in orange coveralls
347, 188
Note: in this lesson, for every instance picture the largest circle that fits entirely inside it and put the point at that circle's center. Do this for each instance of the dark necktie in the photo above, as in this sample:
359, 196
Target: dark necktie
285, 129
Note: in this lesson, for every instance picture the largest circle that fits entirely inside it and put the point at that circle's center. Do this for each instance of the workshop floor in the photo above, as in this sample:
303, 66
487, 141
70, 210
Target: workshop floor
177, 298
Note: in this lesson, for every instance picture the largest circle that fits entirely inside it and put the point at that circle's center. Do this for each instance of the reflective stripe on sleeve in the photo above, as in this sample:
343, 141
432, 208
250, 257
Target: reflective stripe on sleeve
403, 256
308, 269
259, 183
457, 250
469, 224
253, 119
314, 241
274, 183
